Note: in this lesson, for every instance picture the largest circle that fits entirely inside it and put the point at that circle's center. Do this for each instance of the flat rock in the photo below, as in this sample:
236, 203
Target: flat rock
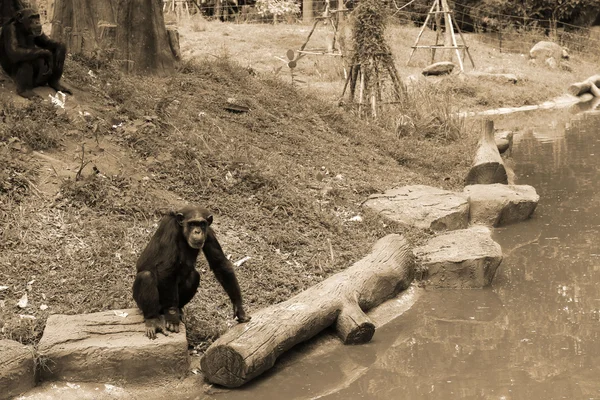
422, 206
439, 68
110, 346
498, 205
17, 369
462, 259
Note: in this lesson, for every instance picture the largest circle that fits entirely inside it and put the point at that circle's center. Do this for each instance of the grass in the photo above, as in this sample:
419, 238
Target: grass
283, 180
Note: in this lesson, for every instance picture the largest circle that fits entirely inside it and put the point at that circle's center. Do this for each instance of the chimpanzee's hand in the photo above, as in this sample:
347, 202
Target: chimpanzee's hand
45, 54
240, 314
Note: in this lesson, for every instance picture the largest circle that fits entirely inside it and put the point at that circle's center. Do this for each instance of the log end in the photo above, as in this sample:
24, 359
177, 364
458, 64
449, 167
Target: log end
360, 334
353, 326
224, 366
486, 174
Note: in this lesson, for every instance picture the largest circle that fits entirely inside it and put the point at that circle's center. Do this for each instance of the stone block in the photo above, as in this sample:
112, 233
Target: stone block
110, 346
422, 206
462, 259
498, 205
17, 369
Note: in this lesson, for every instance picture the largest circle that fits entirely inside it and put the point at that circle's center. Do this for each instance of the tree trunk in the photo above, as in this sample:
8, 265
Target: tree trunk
249, 349
133, 31
488, 166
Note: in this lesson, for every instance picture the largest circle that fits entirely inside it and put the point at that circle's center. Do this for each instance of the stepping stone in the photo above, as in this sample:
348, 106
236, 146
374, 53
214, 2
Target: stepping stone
422, 206
498, 205
17, 370
463, 259
110, 346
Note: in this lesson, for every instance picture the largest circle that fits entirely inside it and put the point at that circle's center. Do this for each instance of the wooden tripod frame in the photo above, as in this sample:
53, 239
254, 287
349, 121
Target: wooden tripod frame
438, 9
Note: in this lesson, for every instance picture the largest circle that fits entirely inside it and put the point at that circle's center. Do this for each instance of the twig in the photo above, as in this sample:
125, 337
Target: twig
83, 164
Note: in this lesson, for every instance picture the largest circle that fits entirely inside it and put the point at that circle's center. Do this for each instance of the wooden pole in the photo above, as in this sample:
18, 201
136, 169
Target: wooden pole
421, 32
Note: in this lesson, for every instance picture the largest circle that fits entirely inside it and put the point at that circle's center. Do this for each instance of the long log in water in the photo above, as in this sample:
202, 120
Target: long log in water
488, 167
249, 349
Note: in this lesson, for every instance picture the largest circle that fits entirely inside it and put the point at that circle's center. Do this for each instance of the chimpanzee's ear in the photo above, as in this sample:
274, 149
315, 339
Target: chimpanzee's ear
19, 16
180, 218
209, 220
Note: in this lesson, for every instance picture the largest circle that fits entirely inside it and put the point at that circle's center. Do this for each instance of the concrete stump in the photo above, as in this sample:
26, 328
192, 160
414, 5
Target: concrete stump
17, 370
110, 346
498, 205
463, 259
422, 206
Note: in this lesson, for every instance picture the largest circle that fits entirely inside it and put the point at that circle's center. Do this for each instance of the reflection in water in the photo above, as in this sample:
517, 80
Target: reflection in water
534, 335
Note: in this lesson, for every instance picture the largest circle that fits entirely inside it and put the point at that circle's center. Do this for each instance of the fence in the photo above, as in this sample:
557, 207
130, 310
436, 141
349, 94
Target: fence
508, 33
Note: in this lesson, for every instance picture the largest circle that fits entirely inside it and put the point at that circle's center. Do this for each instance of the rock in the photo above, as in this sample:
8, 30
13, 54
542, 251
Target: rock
544, 50
498, 205
551, 63
503, 140
439, 68
422, 206
110, 346
462, 259
17, 369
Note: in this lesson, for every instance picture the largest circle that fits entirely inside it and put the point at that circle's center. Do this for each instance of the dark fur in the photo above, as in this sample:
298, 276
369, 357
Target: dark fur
166, 276
31, 59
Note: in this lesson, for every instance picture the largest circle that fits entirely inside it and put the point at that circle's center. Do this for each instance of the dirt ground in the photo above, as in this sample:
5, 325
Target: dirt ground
82, 188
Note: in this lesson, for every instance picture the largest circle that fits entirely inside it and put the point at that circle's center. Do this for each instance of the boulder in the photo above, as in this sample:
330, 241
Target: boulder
462, 259
551, 63
503, 140
439, 68
110, 346
498, 205
422, 206
544, 50
17, 369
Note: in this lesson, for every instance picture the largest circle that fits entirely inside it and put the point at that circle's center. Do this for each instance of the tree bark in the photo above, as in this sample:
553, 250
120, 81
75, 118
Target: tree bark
249, 349
137, 36
488, 166
307, 11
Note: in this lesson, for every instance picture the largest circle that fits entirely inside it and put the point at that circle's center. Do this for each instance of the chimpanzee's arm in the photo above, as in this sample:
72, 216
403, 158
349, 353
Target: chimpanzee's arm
223, 270
45, 42
15, 52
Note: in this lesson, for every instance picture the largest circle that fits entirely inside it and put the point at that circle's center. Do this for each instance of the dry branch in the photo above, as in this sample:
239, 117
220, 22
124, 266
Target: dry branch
488, 166
249, 349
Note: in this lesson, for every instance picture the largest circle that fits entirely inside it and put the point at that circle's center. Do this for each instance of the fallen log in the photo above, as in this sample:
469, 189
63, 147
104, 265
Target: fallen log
488, 166
249, 349
590, 85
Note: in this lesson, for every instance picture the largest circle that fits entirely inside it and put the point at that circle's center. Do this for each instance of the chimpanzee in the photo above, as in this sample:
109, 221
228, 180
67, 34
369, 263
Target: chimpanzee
29, 56
166, 276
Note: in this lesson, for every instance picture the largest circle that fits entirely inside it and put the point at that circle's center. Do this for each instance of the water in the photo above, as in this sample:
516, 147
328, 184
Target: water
535, 334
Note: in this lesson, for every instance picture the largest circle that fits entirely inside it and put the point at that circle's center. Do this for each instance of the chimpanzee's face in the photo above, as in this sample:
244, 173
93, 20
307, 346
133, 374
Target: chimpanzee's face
30, 21
195, 223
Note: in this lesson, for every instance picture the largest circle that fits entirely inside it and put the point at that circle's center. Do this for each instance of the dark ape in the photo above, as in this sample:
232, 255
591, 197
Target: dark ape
29, 56
166, 275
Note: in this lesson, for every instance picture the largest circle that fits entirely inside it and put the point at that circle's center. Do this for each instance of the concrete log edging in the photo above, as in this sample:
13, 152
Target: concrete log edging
17, 368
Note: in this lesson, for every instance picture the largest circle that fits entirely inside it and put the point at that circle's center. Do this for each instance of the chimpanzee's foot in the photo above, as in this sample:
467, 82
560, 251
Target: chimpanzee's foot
60, 88
27, 93
172, 319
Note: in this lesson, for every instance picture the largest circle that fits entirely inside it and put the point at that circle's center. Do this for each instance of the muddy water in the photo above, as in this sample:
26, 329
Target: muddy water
535, 334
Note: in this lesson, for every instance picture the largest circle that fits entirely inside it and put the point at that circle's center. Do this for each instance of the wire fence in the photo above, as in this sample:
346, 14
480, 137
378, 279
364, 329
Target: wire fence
508, 33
